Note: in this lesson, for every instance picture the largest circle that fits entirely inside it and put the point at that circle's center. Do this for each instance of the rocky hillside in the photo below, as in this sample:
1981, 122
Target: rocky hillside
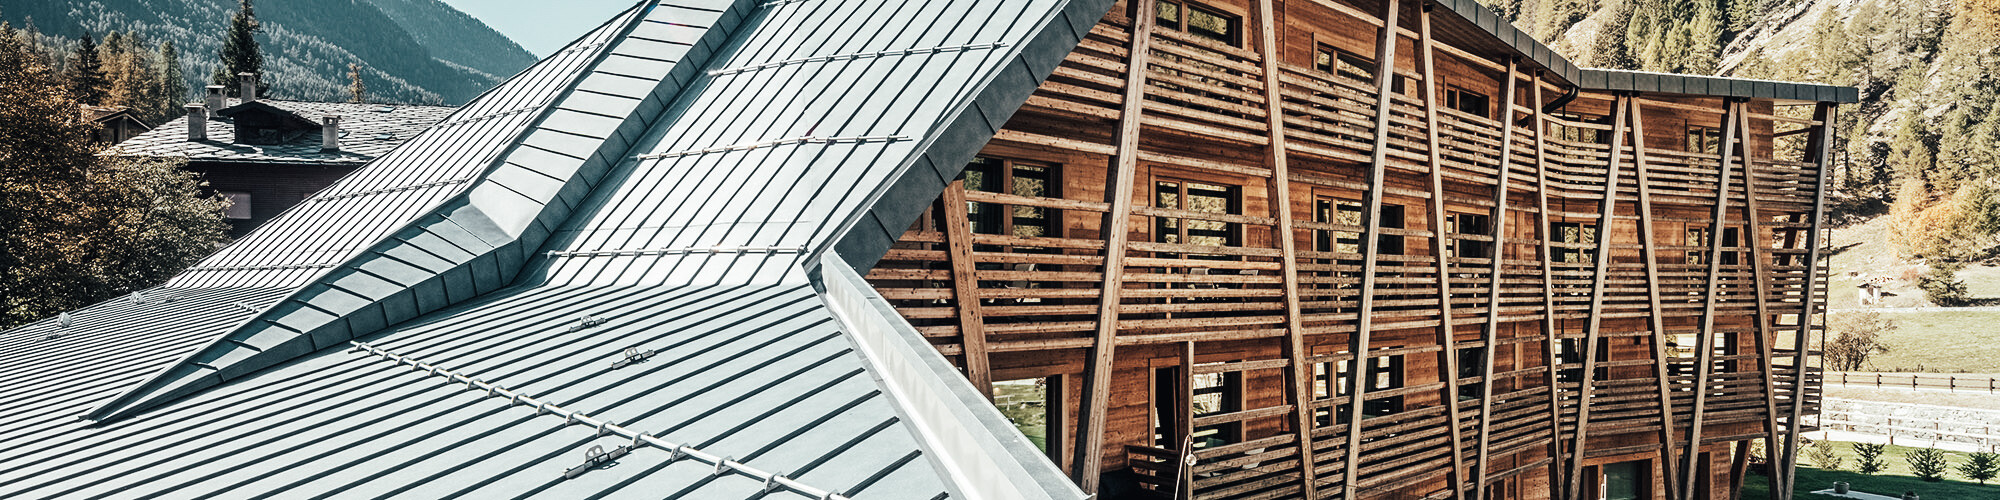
414, 51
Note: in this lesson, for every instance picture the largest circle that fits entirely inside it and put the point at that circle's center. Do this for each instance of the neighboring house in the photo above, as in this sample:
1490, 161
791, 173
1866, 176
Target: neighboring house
267, 155
742, 249
115, 124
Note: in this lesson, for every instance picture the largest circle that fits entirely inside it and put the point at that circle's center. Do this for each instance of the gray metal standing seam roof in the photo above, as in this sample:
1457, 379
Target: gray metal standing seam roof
454, 319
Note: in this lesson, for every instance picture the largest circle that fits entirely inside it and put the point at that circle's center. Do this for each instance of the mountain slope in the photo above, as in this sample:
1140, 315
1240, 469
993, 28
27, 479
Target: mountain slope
455, 37
309, 43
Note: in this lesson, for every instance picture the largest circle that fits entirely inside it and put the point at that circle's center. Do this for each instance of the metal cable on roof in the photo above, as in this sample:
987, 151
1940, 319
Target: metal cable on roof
393, 189
271, 267
673, 251
858, 55
489, 116
863, 139
723, 465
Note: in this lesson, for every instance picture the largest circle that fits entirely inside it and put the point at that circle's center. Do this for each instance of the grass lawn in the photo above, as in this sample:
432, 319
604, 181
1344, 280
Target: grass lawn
1941, 341
1893, 482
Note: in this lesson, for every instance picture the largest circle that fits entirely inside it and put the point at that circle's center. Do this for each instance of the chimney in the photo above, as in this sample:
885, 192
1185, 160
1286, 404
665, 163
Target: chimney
329, 134
248, 81
197, 122
214, 100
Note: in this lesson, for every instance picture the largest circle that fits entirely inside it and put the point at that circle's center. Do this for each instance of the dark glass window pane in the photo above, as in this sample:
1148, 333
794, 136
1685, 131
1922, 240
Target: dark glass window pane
1211, 24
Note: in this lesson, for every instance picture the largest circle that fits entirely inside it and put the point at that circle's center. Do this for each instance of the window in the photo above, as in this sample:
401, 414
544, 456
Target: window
1699, 237
1624, 481
1569, 352
1582, 134
1571, 237
1384, 373
1471, 362
1200, 20
1468, 224
1337, 211
1018, 178
239, 204
1470, 102
1704, 140
1195, 196
1350, 65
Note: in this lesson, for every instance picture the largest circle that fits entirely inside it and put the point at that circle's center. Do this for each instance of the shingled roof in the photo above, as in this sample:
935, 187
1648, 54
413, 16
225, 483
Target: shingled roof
367, 131
604, 253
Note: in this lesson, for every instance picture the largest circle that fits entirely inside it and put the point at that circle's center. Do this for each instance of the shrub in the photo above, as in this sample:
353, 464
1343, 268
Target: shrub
1868, 458
1980, 466
1822, 456
1929, 464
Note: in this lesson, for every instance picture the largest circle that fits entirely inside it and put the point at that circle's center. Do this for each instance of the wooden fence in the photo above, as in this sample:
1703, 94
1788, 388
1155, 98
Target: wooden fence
1936, 381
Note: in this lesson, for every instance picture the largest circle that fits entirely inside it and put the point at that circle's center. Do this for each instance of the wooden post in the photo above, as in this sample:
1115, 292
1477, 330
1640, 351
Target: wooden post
1281, 201
1447, 338
1097, 385
1543, 232
1606, 217
1371, 215
1819, 147
1491, 336
1657, 320
1766, 337
1740, 468
1732, 135
971, 322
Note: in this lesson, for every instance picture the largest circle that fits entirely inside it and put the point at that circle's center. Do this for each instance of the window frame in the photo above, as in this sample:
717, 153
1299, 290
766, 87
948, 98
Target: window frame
248, 202
1455, 97
1233, 232
1184, 11
1007, 217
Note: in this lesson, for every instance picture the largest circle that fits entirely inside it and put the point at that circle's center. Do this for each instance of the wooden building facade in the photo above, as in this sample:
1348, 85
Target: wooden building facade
1286, 196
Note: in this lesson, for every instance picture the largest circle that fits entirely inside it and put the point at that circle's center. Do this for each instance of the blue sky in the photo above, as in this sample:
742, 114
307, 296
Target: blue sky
542, 26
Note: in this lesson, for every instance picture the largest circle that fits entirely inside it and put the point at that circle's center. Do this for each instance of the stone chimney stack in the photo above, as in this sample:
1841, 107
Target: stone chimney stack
214, 100
197, 122
248, 81
329, 134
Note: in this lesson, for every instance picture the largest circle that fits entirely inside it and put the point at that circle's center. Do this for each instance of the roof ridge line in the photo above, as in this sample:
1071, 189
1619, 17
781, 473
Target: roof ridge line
773, 481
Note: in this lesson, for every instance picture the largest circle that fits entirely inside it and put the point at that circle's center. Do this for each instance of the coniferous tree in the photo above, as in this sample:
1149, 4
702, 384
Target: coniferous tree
240, 53
170, 87
86, 73
356, 90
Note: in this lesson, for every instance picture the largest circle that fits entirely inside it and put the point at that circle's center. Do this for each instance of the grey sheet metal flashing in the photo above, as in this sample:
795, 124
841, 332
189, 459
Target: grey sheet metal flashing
928, 391
865, 237
1538, 54
507, 210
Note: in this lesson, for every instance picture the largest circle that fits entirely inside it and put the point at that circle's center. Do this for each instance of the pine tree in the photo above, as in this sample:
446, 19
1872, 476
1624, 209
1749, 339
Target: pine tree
170, 87
1704, 32
356, 90
240, 53
86, 73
